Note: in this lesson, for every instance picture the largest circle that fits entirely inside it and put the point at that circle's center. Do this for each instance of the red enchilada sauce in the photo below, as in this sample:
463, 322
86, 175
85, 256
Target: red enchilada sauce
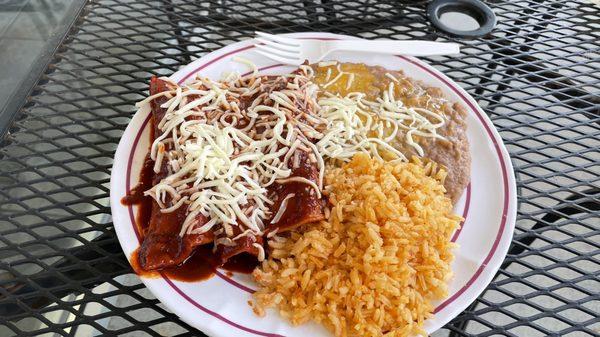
201, 265
136, 196
190, 258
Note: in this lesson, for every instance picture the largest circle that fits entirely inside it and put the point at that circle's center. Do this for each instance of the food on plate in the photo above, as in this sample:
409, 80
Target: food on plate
413, 103
230, 165
337, 180
375, 265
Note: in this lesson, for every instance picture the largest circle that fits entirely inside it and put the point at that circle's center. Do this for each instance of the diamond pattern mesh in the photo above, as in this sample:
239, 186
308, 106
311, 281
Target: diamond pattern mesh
62, 272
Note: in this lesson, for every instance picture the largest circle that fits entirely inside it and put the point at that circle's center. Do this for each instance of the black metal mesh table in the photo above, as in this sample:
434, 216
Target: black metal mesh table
537, 75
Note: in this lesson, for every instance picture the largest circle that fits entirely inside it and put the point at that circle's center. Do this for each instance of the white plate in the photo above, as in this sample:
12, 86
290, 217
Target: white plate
218, 306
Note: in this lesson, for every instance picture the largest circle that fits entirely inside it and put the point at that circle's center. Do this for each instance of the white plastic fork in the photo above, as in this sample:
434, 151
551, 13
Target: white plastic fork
295, 51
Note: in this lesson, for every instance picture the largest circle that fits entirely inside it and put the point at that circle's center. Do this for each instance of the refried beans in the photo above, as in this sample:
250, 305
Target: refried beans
452, 152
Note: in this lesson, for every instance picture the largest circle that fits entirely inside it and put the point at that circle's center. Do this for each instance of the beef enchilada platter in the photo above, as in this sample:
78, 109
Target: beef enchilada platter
364, 195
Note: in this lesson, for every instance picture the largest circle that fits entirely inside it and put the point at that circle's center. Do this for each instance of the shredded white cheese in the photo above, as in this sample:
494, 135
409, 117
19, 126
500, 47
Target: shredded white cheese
392, 77
358, 125
261, 251
349, 75
327, 63
222, 152
219, 167
282, 208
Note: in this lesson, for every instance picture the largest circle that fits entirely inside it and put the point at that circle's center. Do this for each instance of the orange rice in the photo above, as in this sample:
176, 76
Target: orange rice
376, 264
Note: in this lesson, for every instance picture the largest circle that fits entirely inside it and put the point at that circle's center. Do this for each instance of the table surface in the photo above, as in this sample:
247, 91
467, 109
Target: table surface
62, 272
